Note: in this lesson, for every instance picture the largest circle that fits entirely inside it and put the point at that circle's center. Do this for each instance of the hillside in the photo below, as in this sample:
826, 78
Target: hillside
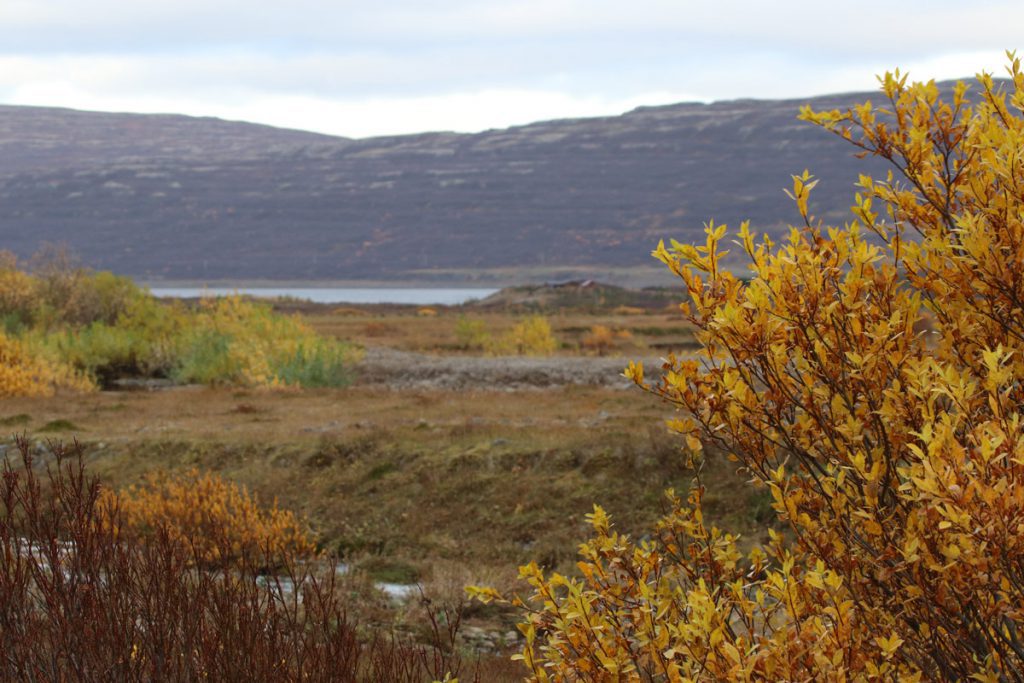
173, 197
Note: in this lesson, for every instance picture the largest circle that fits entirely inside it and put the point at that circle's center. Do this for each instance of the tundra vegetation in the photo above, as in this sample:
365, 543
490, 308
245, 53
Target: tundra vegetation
531, 336
66, 327
865, 379
84, 598
870, 377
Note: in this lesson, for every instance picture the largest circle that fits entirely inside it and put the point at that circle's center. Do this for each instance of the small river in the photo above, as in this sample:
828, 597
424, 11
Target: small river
416, 296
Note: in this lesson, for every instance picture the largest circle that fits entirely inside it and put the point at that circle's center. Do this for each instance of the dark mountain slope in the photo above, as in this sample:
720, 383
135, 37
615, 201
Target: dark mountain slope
175, 197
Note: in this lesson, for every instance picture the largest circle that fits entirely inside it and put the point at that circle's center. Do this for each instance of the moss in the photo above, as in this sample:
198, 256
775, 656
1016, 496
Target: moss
60, 425
390, 571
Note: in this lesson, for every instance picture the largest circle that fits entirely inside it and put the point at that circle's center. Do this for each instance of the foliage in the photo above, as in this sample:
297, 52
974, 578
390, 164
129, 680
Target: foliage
218, 516
24, 372
872, 377
532, 336
104, 326
472, 334
234, 341
64, 292
601, 339
16, 294
84, 600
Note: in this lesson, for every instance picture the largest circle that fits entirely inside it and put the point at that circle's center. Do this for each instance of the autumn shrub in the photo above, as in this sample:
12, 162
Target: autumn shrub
104, 352
82, 598
17, 293
145, 340
601, 339
234, 341
531, 336
25, 372
220, 518
105, 328
472, 334
893, 448
65, 292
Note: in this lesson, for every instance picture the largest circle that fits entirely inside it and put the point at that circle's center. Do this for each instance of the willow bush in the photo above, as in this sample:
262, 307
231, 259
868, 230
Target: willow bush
870, 375
84, 596
96, 327
230, 340
531, 336
26, 372
220, 519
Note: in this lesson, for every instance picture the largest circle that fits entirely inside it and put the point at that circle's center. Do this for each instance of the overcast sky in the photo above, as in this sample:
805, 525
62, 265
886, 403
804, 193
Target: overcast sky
401, 66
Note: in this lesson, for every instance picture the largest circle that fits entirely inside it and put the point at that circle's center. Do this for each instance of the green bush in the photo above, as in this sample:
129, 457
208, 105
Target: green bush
319, 363
104, 326
472, 334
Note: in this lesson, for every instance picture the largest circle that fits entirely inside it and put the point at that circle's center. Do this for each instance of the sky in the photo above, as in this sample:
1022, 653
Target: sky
385, 67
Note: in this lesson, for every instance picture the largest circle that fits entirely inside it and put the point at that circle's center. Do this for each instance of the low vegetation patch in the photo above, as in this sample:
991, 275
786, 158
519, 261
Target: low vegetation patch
528, 336
59, 425
220, 519
26, 371
86, 597
66, 327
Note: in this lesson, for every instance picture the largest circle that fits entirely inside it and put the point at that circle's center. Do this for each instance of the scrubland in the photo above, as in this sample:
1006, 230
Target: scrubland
398, 474
866, 381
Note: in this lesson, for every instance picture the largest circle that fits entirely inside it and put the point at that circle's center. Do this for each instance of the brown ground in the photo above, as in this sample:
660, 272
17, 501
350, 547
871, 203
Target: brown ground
456, 471
437, 465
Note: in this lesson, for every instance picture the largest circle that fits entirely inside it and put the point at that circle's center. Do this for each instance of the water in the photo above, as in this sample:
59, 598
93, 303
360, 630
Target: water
426, 296
398, 592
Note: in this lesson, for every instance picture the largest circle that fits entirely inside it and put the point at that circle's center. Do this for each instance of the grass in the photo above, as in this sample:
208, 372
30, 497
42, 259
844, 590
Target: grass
390, 571
484, 479
136, 608
380, 471
442, 487
60, 425
401, 328
19, 420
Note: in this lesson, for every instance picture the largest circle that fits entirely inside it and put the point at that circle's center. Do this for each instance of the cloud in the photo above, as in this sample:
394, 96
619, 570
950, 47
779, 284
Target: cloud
735, 25
357, 68
463, 112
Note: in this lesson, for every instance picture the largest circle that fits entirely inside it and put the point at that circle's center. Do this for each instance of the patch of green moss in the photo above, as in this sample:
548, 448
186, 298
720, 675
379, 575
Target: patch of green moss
60, 425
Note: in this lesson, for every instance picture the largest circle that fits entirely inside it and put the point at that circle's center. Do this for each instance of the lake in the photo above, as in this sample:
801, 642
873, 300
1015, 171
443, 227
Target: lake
417, 296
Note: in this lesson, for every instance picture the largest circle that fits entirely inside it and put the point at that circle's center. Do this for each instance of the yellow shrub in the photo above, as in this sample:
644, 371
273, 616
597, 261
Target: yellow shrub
531, 336
893, 453
218, 517
601, 339
24, 373
17, 288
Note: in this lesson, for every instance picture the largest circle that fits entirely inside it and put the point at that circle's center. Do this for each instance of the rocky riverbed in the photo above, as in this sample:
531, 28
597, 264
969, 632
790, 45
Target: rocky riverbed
404, 370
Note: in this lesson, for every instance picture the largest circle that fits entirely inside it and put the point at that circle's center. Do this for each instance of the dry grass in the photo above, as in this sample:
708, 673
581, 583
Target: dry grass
447, 488
402, 328
484, 478
81, 601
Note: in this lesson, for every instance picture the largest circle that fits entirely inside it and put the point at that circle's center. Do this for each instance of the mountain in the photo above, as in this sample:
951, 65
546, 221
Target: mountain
174, 197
